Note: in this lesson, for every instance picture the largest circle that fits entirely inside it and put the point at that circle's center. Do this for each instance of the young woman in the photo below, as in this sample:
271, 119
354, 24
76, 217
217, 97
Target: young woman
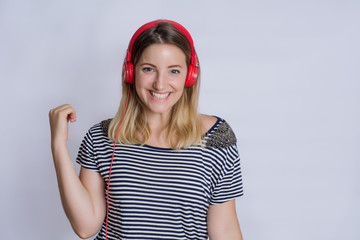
158, 169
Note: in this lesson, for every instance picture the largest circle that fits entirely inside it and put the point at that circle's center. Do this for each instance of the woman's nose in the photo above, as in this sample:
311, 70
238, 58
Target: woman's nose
159, 81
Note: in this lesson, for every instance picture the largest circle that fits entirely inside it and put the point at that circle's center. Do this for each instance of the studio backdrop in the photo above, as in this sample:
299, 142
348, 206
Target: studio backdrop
284, 74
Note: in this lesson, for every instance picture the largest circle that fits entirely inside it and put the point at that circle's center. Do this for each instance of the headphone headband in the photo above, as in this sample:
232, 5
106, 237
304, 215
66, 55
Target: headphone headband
148, 25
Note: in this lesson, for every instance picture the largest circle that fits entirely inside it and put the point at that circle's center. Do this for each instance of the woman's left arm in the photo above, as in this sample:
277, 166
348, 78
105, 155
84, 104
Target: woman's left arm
222, 222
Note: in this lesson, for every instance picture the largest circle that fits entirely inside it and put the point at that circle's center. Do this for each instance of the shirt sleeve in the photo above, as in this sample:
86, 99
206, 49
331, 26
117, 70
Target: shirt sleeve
86, 157
228, 183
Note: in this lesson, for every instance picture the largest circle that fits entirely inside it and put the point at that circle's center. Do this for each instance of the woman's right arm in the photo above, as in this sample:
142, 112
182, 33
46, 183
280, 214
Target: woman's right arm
82, 196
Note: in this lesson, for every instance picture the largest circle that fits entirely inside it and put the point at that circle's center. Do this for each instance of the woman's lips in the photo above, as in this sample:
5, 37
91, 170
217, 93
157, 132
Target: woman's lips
159, 96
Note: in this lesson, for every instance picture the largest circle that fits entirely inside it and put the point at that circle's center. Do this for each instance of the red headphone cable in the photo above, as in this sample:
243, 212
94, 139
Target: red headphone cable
112, 159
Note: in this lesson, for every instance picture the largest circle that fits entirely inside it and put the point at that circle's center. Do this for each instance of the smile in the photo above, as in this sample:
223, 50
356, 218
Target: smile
160, 96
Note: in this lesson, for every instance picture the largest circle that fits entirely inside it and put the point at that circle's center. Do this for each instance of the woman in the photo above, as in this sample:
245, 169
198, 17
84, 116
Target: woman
158, 169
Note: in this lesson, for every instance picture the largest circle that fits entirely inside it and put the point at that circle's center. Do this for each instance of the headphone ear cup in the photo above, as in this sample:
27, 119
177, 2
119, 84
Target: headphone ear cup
191, 75
129, 72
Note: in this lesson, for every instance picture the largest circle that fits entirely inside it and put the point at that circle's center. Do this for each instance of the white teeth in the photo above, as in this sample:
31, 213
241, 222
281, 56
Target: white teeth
160, 96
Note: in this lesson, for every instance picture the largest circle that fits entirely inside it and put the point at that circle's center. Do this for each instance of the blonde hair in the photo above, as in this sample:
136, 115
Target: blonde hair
183, 128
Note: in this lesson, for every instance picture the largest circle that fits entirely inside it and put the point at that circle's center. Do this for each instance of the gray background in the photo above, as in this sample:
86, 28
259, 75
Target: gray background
284, 74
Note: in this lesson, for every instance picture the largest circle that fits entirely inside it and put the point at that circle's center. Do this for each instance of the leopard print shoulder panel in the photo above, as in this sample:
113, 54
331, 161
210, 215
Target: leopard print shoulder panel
222, 137
105, 126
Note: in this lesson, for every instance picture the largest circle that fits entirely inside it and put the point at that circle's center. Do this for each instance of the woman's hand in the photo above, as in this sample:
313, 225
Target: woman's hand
59, 118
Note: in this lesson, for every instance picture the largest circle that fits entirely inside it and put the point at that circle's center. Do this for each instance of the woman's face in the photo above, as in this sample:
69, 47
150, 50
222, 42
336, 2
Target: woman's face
160, 77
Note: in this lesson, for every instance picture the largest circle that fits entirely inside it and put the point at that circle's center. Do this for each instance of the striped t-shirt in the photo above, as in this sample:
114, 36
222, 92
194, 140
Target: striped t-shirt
161, 193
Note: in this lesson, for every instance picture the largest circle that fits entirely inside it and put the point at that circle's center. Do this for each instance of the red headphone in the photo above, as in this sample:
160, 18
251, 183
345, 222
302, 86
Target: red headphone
193, 67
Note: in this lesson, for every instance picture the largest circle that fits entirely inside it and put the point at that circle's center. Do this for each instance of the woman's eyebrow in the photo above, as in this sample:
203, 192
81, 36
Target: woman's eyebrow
152, 65
171, 66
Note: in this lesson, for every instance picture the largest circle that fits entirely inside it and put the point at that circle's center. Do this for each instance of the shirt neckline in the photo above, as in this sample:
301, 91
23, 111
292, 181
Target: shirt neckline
205, 135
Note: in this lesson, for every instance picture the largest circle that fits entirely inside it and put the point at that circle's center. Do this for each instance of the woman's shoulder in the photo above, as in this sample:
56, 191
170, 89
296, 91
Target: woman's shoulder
218, 133
105, 125
207, 122
100, 128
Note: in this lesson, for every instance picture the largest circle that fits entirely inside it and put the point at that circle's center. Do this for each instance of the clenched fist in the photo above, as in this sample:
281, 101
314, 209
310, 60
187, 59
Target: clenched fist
59, 118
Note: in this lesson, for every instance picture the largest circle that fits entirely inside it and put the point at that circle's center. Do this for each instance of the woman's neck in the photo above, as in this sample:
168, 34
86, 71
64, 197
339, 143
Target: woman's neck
157, 124
157, 121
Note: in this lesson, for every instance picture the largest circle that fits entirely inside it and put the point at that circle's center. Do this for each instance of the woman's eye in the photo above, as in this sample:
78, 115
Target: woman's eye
175, 71
147, 69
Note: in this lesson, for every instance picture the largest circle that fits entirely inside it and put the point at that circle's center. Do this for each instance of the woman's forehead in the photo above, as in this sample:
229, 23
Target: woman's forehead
163, 53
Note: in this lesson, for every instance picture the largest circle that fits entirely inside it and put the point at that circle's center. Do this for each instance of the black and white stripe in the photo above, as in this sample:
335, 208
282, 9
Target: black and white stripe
161, 193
